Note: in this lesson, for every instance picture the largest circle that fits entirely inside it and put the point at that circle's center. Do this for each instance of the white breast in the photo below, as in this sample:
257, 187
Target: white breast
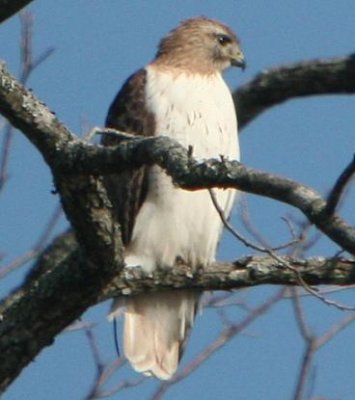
174, 223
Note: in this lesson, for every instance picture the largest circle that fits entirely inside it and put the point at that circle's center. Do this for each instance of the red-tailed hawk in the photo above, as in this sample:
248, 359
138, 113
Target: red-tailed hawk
181, 94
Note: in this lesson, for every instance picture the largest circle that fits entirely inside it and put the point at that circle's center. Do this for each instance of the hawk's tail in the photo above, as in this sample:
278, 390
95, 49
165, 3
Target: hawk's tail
156, 328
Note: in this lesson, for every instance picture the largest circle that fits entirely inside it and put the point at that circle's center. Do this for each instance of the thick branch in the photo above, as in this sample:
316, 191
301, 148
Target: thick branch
307, 78
57, 294
83, 197
31, 116
58, 290
10, 7
246, 272
87, 207
189, 174
66, 154
61, 287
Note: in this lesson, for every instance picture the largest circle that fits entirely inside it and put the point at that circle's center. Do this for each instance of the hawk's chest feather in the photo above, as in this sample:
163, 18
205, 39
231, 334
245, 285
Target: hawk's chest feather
174, 223
195, 110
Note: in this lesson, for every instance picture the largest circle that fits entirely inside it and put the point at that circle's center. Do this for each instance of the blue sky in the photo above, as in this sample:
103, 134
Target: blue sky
97, 45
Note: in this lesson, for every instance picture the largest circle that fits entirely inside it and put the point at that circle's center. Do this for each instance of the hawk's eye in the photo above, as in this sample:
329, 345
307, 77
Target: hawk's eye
223, 39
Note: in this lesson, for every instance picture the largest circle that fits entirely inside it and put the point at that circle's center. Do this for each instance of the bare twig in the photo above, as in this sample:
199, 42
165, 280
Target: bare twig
9, 8
103, 373
99, 365
305, 241
335, 329
125, 384
255, 233
26, 50
310, 346
310, 289
230, 228
305, 368
38, 247
308, 78
248, 224
28, 65
339, 187
312, 343
282, 261
303, 328
5, 155
238, 235
18, 262
49, 227
224, 300
224, 337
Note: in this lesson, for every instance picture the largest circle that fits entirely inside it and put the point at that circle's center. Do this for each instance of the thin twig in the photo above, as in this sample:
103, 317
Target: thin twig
230, 228
272, 253
304, 372
245, 217
248, 224
224, 300
304, 242
224, 337
104, 373
111, 369
300, 318
339, 187
344, 323
5, 155
310, 341
26, 42
18, 262
38, 247
28, 65
49, 227
239, 236
26, 21
99, 365
126, 384
314, 292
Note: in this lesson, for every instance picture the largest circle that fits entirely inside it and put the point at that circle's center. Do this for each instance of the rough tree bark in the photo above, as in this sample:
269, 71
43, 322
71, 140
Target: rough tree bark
69, 278
307, 78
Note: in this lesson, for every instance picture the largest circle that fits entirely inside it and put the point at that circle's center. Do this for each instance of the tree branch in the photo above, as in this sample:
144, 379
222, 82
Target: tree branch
84, 198
339, 187
61, 287
307, 78
68, 281
65, 154
10, 7
192, 175
245, 272
87, 207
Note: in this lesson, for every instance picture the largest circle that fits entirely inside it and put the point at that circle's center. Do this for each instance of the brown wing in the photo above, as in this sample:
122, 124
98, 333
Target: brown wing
128, 113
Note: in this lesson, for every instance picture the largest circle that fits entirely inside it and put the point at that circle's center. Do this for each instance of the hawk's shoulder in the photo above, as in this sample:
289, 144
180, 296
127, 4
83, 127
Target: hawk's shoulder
128, 111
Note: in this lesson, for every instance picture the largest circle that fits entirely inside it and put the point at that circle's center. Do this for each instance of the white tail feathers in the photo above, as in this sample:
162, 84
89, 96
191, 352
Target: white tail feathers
156, 328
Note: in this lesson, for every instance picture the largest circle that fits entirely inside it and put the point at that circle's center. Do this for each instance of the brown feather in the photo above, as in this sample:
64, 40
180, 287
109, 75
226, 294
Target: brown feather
128, 113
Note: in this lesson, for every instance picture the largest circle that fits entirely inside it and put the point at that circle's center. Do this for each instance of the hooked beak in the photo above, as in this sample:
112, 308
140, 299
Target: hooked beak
238, 59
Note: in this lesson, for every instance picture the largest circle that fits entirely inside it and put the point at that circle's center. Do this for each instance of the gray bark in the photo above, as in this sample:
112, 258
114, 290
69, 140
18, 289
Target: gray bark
74, 274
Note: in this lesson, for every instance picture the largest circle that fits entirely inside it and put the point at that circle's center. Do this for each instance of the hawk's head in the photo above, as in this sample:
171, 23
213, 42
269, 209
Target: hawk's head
201, 45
